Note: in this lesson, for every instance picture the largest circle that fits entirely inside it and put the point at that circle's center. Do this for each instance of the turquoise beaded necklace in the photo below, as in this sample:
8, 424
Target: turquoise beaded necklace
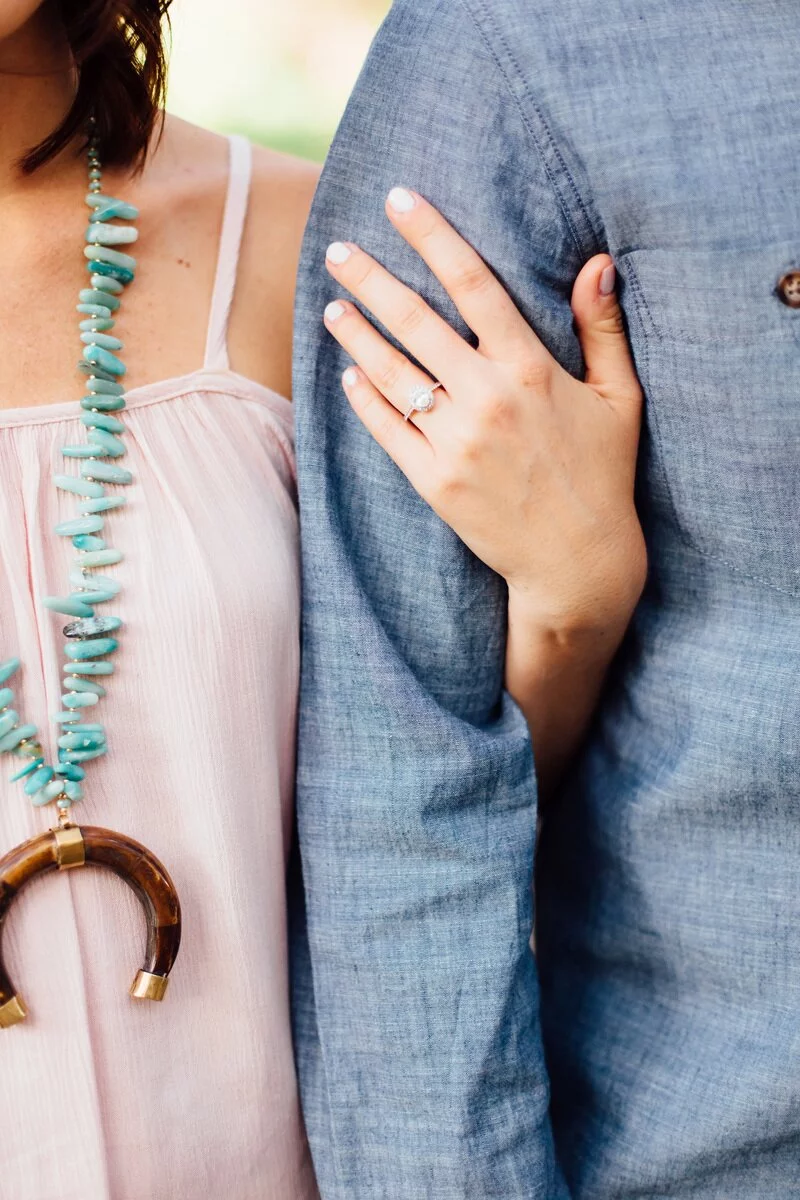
90, 638
89, 641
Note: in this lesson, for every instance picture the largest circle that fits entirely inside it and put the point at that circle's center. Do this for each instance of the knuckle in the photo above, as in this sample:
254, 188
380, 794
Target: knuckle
470, 276
391, 373
412, 316
535, 374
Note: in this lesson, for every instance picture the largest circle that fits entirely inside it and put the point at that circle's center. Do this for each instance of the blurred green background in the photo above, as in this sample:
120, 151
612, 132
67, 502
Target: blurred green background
279, 71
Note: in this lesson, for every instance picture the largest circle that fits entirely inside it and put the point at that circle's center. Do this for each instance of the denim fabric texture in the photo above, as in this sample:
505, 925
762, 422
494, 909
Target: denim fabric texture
653, 1049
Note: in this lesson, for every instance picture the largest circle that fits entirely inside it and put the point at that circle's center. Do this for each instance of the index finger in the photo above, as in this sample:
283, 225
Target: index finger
478, 295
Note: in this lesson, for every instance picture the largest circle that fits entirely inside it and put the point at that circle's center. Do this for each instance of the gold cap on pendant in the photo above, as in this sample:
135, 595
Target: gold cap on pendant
149, 987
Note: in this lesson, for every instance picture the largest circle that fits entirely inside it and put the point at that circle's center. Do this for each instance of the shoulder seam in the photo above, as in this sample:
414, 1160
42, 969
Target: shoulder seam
586, 245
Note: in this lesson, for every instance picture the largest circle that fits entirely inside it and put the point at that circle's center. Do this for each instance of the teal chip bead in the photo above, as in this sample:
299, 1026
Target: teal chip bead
108, 443
81, 578
72, 700
9, 668
11, 740
103, 283
121, 274
98, 200
101, 234
99, 296
89, 668
112, 258
116, 208
91, 627
92, 648
87, 451
101, 339
103, 472
102, 311
84, 685
74, 791
102, 421
96, 325
76, 525
49, 793
88, 541
80, 741
79, 756
104, 387
98, 558
70, 771
107, 504
7, 722
38, 780
26, 770
103, 403
6, 697
79, 487
105, 360
70, 606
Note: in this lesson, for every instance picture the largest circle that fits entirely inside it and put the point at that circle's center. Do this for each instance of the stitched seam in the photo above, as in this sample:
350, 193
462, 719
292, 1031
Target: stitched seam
584, 250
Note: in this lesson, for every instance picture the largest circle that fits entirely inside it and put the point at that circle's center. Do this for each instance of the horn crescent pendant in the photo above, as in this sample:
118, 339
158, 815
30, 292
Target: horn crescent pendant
71, 847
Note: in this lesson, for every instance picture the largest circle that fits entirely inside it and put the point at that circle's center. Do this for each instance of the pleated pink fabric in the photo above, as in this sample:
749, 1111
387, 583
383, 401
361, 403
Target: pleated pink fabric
102, 1097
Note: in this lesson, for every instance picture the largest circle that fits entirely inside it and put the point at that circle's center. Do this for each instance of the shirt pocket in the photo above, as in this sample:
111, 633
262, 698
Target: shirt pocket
717, 354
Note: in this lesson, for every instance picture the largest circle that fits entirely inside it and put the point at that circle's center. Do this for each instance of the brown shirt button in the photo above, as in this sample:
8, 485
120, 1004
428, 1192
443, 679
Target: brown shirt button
789, 289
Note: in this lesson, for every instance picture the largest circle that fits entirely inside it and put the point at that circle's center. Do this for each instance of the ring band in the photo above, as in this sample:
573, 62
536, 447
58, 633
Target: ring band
422, 399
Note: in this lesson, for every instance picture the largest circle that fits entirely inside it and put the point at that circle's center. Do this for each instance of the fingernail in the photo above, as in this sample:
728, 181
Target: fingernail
338, 253
334, 311
401, 200
608, 280
350, 377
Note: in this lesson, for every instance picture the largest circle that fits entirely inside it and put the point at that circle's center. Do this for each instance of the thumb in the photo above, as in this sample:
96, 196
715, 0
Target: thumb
601, 330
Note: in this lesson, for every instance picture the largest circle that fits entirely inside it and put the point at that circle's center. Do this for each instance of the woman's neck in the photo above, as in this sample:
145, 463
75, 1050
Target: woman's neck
37, 87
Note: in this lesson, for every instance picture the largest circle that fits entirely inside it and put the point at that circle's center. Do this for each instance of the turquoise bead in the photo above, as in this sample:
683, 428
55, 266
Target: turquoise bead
80, 741
13, 739
121, 274
88, 727
79, 700
96, 325
98, 200
114, 258
74, 791
103, 283
110, 445
92, 626
101, 339
103, 472
89, 668
68, 771
9, 668
79, 756
6, 697
93, 648
116, 208
38, 780
7, 722
105, 387
79, 525
98, 506
65, 718
101, 421
85, 685
95, 310
95, 173
104, 359
101, 234
79, 487
48, 793
95, 373
98, 595
103, 403
26, 770
99, 558
80, 578
87, 451
69, 605
88, 541
98, 296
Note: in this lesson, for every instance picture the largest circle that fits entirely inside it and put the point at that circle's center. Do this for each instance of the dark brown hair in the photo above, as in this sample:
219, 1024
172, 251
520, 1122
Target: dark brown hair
119, 51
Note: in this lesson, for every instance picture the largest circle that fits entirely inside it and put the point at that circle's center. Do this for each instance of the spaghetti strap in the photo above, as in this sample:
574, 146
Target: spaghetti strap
240, 170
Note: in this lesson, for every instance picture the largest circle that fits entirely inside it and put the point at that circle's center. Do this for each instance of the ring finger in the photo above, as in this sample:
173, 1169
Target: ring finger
386, 367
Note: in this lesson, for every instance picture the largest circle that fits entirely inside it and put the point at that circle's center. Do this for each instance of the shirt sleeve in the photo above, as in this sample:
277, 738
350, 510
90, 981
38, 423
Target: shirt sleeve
415, 990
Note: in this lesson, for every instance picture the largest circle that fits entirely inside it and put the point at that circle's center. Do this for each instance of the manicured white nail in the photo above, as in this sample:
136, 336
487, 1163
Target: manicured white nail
338, 253
401, 200
334, 311
350, 377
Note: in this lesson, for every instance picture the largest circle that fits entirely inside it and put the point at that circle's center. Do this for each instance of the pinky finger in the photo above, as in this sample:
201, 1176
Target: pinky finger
401, 440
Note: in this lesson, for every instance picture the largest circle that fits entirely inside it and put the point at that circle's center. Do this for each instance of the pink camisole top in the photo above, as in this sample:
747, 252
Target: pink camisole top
103, 1097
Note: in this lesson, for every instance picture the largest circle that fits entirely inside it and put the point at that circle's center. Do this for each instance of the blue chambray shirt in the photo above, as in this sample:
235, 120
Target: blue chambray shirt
653, 1049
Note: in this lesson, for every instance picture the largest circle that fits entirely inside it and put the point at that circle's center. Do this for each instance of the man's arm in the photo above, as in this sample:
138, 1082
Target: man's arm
416, 1009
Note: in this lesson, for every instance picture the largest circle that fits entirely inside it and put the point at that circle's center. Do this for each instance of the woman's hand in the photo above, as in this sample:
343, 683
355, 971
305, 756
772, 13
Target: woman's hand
532, 468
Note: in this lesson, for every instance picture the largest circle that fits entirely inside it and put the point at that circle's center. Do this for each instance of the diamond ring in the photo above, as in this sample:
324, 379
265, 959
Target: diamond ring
421, 399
